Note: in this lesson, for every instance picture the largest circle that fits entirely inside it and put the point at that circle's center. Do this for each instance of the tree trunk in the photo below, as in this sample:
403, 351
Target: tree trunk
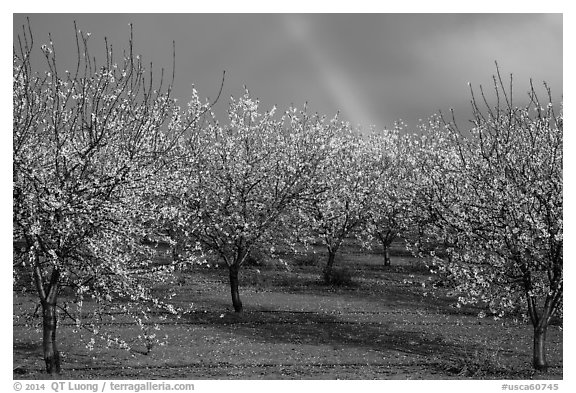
236, 302
175, 254
539, 321
51, 354
48, 297
539, 358
386, 256
386, 240
329, 266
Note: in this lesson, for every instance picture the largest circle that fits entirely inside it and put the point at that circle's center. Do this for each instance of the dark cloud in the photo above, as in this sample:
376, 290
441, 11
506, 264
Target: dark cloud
375, 68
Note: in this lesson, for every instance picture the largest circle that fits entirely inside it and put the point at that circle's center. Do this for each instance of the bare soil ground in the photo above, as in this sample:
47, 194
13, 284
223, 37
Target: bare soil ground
388, 325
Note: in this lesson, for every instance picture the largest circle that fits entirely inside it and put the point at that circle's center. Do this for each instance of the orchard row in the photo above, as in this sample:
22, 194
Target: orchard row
103, 156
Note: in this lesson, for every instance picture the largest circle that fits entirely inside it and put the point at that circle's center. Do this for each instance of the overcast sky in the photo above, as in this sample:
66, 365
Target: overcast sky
374, 68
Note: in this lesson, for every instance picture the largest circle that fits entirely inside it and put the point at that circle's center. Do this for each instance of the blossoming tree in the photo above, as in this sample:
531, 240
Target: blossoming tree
87, 149
239, 180
496, 200
391, 206
342, 194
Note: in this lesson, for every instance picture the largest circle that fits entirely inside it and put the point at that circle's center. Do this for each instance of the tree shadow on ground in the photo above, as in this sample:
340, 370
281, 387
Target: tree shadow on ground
302, 327
418, 347
27, 348
390, 293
